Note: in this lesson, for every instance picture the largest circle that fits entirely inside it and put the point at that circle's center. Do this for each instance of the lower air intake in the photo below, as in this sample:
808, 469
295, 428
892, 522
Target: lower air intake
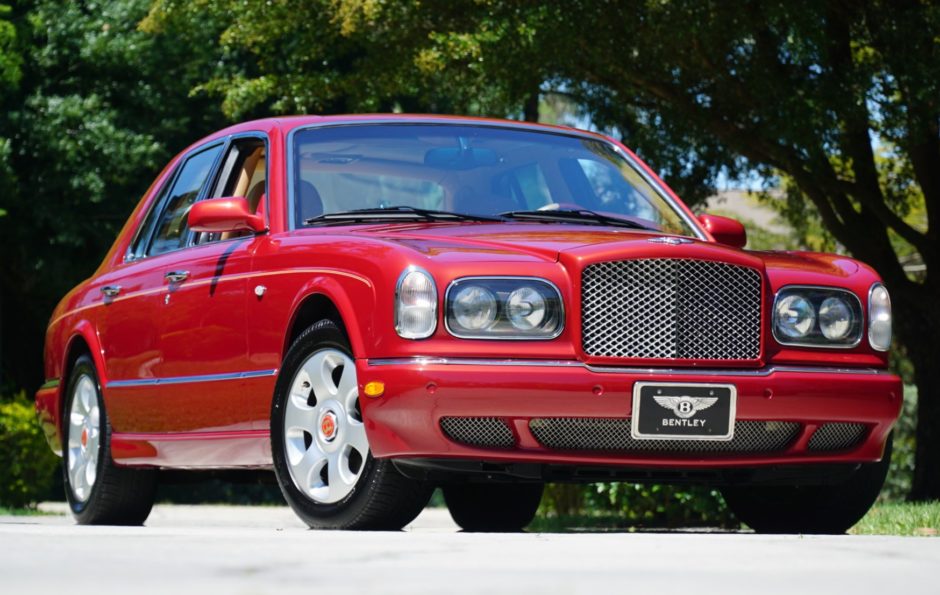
836, 436
489, 432
613, 434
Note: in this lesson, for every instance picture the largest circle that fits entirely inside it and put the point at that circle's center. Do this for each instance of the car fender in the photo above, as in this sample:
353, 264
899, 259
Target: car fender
356, 320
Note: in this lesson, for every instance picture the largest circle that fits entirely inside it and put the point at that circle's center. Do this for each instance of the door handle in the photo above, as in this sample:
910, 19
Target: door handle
111, 290
176, 276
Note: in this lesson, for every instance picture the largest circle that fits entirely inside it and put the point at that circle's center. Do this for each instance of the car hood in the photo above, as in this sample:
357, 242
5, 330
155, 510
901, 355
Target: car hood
502, 241
587, 243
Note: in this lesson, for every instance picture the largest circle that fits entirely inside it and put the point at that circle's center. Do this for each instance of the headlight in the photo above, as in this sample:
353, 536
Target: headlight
794, 316
503, 308
835, 318
415, 304
817, 317
879, 317
474, 307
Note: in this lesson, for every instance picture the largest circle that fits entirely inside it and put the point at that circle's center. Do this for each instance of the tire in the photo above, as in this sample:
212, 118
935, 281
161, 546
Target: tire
318, 438
493, 507
98, 491
825, 509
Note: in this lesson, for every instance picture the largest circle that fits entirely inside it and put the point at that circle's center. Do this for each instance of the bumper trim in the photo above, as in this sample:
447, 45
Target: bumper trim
750, 372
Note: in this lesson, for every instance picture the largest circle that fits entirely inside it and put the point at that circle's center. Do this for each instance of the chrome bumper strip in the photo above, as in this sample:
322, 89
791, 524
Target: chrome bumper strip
752, 372
190, 379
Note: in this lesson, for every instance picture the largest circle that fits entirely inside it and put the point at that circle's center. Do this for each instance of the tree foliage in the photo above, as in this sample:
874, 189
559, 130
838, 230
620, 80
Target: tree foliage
93, 109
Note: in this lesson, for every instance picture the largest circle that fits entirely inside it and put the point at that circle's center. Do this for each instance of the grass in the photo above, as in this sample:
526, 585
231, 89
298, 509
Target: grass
5, 511
896, 518
901, 518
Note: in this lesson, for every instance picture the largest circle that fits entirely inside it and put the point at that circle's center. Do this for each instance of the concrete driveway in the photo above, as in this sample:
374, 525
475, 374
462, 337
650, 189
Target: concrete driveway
221, 549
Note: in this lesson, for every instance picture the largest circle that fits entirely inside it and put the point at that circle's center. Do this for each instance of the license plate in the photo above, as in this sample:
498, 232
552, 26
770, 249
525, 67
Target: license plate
666, 411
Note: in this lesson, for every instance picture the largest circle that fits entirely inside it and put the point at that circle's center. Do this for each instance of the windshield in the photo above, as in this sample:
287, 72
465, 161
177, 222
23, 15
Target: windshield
475, 170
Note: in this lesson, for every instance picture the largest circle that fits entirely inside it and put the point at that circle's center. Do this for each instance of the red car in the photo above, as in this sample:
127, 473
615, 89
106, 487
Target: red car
374, 306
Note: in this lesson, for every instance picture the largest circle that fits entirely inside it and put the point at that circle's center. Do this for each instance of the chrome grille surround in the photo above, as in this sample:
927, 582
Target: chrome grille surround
613, 434
488, 432
669, 308
836, 436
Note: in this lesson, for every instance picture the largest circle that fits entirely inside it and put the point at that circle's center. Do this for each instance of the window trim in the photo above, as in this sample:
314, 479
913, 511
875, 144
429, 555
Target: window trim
216, 180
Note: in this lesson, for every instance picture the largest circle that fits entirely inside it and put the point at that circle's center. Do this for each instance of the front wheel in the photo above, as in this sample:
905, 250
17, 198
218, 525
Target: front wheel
319, 444
820, 509
493, 507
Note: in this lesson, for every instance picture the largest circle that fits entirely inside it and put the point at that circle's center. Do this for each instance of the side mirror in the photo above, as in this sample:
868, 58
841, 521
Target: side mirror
725, 230
221, 215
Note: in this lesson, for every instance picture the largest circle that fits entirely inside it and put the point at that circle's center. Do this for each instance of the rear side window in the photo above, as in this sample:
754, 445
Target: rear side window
171, 225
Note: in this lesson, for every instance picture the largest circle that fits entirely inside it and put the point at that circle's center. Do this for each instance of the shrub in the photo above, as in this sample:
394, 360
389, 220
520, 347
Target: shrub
27, 465
901, 472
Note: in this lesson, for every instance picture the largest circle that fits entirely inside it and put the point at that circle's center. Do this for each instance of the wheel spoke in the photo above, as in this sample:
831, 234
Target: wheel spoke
356, 437
320, 370
299, 415
307, 469
338, 476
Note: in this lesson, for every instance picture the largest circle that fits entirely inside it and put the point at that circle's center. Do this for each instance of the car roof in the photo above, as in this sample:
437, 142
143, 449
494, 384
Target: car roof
288, 123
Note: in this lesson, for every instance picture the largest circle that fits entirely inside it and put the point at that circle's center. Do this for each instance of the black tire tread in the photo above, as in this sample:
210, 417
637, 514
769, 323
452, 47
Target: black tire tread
493, 507
823, 510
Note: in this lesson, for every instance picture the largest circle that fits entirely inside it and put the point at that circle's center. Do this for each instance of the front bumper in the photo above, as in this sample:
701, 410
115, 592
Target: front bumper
405, 422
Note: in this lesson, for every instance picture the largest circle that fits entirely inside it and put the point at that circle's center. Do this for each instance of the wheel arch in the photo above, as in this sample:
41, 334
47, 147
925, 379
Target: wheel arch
324, 298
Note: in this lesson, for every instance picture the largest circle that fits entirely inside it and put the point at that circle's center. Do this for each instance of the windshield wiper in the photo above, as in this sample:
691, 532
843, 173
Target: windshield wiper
395, 213
574, 216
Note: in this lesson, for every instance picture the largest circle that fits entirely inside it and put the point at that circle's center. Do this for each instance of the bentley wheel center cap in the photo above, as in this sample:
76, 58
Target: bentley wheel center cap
328, 427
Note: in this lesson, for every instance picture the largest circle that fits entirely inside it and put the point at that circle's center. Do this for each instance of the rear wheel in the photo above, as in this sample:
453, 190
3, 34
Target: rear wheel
98, 491
820, 509
319, 444
493, 507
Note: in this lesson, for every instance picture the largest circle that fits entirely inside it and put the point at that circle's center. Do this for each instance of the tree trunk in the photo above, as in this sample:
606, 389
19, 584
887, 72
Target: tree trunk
919, 330
531, 108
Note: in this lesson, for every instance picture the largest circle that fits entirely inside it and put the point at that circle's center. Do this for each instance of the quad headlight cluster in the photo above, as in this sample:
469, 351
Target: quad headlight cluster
479, 307
830, 317
503, 308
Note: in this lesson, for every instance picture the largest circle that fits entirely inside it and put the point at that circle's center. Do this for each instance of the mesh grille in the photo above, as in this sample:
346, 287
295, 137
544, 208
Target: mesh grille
836, 436
671, 308
586, 433
490, 432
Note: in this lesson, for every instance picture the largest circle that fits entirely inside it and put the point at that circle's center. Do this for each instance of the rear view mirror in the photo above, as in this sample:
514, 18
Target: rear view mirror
221, 215
460, 158
725, 230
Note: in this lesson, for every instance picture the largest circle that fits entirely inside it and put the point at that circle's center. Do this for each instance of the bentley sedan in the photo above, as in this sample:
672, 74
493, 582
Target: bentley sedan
376, 306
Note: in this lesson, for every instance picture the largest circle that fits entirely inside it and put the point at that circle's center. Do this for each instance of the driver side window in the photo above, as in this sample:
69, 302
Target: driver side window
171, 227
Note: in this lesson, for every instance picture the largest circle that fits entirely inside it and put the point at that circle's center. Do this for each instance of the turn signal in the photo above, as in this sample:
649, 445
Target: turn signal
374, 389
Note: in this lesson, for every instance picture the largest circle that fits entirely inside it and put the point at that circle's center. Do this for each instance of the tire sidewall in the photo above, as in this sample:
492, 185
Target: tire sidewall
322, 335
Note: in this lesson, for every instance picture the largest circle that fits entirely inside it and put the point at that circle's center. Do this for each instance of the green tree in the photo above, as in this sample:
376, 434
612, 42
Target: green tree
92, 109
808, 91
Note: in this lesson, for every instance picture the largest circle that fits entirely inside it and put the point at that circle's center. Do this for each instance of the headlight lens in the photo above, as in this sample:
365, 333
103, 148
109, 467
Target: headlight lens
817, 317
795, 316
503, 308
415, 304
526, 308
474, 307
835, 318
879, 317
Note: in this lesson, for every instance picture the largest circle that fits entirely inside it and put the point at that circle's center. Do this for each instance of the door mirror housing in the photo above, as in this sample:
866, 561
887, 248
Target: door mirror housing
221, 215
725, 230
